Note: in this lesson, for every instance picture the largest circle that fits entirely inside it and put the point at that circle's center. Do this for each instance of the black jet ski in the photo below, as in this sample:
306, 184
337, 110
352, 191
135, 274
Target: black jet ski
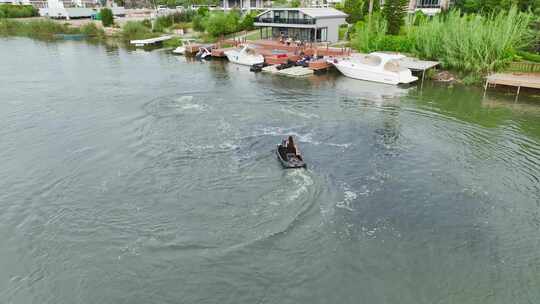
289, 160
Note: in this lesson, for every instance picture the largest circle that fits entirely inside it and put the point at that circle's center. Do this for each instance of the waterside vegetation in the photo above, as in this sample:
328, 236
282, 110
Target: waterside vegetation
17, 11
46, 29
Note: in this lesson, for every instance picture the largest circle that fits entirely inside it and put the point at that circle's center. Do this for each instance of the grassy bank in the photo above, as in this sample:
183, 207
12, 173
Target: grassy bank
45, 29
472, 45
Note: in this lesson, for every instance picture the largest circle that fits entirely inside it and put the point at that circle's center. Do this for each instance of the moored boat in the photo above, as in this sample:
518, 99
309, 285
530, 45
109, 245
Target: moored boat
245, 56
181, 50
377, 67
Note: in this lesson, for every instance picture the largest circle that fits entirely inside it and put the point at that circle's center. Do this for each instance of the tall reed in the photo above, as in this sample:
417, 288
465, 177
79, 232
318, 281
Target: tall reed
472, 43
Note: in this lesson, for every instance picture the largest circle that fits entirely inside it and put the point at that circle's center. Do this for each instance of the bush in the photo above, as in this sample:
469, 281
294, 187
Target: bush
34, 28
107, 18
185, 16
198, 21
172, 43
91, 30
147, 23
17, 11
133, 30
162, 23
203, 11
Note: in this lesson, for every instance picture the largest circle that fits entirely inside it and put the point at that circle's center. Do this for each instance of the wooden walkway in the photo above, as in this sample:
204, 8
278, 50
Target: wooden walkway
526, 80
144, 42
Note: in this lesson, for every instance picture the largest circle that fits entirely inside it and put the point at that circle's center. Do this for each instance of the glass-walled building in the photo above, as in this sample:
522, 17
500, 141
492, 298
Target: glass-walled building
301, 24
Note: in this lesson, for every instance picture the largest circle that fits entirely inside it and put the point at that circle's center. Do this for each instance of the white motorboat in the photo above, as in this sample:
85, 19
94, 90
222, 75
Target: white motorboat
246, 56
181, 50
377, 67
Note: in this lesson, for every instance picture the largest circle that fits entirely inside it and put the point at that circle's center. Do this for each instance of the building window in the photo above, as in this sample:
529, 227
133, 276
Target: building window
428, 4
253, 3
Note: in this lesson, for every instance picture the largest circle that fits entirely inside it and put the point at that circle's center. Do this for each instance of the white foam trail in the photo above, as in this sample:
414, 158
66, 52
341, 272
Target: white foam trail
348, 197
300, 114
306, 138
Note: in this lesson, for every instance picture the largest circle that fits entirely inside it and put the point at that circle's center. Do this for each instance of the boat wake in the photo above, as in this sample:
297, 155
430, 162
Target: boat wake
303, 138
169, 106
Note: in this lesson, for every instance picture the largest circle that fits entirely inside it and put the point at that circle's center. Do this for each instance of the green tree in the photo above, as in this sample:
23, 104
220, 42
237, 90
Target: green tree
247, 22
295, 3
221, 23
493, 6
355, 10
107, 18
394, 12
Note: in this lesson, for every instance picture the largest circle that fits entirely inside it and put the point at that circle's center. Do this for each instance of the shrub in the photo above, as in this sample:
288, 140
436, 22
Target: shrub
147, 23
185, 16
203, 11
172, 43
107, 18
34, 28
162, 23
91, 30
394, 12
17, 11
135, 30
198, 21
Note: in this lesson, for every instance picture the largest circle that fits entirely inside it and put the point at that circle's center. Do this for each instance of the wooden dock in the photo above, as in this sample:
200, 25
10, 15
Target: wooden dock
221, 52
144, 42
526, 80
417, 65
319, 65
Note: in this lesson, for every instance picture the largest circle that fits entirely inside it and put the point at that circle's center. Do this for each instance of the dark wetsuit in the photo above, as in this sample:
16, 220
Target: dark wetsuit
291, 148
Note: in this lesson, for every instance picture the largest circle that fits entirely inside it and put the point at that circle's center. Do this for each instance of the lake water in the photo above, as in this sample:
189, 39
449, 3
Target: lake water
142, 177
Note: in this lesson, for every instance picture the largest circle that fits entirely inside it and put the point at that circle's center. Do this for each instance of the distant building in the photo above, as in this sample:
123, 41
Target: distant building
429, 7
245, 4
304, 24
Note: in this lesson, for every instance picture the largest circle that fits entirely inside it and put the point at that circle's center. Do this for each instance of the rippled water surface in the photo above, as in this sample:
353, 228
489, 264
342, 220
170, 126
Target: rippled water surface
140, 177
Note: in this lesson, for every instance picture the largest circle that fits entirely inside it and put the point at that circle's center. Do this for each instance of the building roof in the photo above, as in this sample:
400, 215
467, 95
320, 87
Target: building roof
313, 12
323, 12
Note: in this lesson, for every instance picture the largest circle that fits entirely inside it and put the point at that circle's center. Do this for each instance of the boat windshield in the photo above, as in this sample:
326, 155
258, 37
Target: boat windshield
371, 60
393, 66
250, 51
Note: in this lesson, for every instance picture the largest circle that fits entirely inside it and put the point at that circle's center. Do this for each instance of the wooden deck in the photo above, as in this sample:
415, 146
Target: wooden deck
526, 80
221, 52
519, 80
144, 42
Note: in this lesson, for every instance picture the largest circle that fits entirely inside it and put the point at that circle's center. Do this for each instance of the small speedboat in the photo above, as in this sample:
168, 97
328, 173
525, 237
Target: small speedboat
377, 67
181, 50
289, 160
245, 56
205, 52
